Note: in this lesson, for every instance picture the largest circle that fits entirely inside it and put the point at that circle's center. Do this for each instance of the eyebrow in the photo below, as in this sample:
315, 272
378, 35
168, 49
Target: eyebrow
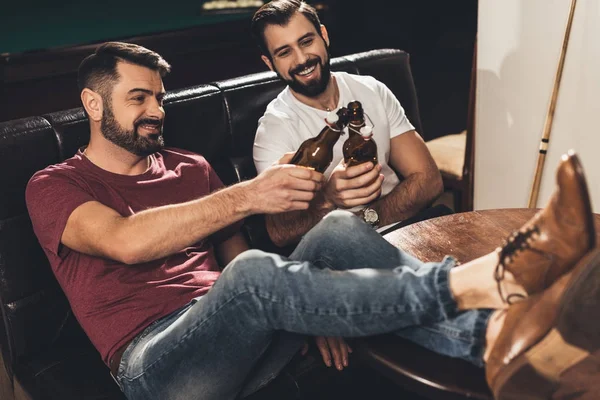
147, 91
309, 34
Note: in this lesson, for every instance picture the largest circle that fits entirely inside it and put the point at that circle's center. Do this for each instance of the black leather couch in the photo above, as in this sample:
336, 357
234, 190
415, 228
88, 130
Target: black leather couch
44, 353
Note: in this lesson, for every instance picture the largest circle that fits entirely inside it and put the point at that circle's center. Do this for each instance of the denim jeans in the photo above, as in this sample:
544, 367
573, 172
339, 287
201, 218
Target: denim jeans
343, 279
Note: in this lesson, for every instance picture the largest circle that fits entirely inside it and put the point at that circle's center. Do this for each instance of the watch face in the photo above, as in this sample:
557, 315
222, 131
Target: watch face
371, 216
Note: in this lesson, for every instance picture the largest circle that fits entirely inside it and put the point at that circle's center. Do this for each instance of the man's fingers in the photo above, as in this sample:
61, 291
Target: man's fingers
360, 180
324, 350
365, 179
364, 195
301, 195
338, 351
287, 157
305, 173
303, 184
297, 206
304, 348
360, 169
333, 349
362, 200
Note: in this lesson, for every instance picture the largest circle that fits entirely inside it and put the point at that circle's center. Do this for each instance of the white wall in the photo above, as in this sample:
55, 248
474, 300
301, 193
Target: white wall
519, 43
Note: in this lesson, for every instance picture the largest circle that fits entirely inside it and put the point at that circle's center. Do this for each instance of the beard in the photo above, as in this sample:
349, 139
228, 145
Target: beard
131, 140
315, 87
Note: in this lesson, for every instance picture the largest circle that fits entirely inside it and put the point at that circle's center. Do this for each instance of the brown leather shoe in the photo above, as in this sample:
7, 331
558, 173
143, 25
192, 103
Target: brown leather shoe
546, 334
550, 244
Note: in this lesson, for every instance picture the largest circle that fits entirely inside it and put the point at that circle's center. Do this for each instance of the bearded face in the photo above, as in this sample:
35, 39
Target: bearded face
131, 139
317, 69
298, 52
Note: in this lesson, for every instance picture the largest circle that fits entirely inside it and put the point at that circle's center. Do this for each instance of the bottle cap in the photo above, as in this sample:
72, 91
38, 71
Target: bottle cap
331, 117
366, 131
356, 109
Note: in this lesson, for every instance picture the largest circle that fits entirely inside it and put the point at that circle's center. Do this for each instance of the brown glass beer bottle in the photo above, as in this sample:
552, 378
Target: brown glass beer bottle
316, 153
357, 121
365, 150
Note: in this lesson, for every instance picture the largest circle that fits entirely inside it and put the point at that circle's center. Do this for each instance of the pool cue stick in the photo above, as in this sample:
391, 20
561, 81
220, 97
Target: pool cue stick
545, 141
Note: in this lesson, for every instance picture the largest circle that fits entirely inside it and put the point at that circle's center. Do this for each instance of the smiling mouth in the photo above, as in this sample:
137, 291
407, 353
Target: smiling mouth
307, 68
307, 71
150, 127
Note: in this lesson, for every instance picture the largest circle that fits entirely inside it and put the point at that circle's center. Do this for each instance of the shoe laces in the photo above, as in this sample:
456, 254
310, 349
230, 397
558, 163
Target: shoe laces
516, 243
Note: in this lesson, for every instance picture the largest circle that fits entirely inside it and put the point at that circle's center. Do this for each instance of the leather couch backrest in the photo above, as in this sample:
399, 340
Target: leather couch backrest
33, 306
218, 120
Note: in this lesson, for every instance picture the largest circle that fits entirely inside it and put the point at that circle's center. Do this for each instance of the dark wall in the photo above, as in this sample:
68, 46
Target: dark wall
438, 34
45, 81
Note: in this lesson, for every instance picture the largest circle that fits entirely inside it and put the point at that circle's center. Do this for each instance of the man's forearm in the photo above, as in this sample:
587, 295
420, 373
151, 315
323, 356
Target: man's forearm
162, 231
408, 198
286, 228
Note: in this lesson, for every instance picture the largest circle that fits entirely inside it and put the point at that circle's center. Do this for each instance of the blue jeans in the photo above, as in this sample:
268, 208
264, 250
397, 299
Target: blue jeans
343, 279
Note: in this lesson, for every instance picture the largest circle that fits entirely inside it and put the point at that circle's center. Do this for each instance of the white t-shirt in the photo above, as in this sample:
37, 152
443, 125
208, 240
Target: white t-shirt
287, 123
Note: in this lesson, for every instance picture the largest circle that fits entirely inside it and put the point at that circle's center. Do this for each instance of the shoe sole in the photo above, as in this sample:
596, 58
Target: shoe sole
589, 221
535, 374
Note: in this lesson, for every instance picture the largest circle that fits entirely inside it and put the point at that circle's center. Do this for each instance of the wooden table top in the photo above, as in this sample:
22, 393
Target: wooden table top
465, 236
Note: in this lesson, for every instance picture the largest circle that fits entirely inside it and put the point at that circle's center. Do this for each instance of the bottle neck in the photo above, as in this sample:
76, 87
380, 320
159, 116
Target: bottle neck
354, 126
329, 134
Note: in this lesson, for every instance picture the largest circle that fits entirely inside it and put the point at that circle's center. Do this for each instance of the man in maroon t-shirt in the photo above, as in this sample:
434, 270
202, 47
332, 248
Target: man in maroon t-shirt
144, 242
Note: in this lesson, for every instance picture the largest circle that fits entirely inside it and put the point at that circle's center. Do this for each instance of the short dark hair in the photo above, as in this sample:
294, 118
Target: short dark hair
279, 12
98, 71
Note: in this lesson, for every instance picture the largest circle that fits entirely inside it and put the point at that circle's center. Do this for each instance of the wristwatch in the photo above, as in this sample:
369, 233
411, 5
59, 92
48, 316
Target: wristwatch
371, 217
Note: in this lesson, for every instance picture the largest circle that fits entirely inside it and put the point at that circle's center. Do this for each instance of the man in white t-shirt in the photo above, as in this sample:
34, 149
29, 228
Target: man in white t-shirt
296, 46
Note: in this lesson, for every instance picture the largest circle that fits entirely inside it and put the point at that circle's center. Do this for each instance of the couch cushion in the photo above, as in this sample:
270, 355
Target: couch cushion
26, 145
196, 120
72, 130
448, 151
33, 306
69, 370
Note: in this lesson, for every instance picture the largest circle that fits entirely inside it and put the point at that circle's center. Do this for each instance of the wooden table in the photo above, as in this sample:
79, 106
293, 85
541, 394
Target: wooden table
464, 236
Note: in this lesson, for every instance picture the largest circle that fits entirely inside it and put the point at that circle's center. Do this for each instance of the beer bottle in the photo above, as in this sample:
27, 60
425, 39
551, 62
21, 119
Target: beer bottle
357, 121
316, 153
365, 150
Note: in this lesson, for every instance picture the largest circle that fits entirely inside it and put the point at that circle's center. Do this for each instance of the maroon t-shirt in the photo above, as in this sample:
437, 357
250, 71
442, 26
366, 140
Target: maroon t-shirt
112, 301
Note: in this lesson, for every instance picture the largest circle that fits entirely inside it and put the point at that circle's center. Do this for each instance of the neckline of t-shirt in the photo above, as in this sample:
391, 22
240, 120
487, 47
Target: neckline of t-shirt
343, 90
151, 172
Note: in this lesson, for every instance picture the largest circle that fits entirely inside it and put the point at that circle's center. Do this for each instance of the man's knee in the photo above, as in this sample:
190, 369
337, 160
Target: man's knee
334, 232
250, 268
341, 221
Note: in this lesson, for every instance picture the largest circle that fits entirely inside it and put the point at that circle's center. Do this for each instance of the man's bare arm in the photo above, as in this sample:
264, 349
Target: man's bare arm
288, 227
346, 188
422, 182
95, 229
